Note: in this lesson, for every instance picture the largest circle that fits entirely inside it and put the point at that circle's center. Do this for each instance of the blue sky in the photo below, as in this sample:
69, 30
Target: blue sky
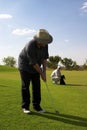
65, 20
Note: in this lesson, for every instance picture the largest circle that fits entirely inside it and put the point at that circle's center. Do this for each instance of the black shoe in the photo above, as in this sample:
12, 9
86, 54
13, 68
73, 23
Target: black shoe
39, 109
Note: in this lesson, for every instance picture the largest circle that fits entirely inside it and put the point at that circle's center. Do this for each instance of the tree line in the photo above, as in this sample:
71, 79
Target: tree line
67, 63
52, 62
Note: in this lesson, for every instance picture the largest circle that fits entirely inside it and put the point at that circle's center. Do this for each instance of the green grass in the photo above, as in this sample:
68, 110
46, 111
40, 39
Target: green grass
6, 68
69, 100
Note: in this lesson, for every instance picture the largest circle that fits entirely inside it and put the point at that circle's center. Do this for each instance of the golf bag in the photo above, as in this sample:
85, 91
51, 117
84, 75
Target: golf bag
62, 82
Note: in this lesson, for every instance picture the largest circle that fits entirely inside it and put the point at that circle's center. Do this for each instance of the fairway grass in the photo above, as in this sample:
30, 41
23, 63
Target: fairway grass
69, 100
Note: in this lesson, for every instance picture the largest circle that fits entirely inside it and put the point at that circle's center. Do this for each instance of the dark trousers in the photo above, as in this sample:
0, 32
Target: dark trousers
26, 78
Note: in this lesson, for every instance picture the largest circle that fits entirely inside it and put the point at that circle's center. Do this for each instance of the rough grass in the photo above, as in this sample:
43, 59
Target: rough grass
69, 100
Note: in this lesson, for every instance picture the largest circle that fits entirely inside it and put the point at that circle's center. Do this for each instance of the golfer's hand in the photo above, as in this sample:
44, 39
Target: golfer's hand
43, 76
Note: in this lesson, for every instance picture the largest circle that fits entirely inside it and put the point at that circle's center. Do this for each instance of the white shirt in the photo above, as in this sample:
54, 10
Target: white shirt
56, 73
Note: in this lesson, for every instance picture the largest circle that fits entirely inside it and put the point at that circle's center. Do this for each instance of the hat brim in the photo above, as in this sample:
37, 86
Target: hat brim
44, 41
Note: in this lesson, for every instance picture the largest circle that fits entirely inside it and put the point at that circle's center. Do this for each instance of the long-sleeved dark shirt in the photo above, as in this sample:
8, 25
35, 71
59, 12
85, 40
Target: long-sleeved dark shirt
31, 55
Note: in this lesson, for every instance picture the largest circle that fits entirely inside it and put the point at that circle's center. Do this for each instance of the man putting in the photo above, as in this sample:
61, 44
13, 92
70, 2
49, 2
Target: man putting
32, 57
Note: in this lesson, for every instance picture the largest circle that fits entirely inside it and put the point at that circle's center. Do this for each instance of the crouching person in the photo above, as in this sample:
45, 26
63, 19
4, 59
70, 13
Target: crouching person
57, 77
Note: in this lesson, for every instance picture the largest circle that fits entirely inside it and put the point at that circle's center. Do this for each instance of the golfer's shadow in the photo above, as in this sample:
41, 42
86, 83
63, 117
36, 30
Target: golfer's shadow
3, 85
69, 119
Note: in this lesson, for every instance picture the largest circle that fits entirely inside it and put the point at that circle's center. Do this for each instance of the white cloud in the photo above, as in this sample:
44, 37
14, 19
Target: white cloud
66, 40
84, 7
5, 16
24, 31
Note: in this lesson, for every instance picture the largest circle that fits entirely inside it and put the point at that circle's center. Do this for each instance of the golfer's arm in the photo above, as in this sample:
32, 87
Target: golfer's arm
44, 65
37, 68
43, 74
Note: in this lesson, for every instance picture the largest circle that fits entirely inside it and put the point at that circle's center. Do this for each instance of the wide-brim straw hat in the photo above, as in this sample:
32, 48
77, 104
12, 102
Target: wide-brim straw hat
43, 37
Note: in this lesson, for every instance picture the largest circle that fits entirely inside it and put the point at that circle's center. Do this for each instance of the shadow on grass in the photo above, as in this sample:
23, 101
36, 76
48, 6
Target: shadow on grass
66, 85
3, 85
75, 85
69, 119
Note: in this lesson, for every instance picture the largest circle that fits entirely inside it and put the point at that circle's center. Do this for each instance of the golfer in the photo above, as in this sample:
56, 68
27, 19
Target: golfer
31, 58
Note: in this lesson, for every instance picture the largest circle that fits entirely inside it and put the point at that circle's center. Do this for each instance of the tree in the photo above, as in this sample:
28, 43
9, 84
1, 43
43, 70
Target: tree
53, 61
69, 63
85, 65
9, 61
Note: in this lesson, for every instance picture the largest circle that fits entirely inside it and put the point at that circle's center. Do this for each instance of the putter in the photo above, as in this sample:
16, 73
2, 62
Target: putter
51, 98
